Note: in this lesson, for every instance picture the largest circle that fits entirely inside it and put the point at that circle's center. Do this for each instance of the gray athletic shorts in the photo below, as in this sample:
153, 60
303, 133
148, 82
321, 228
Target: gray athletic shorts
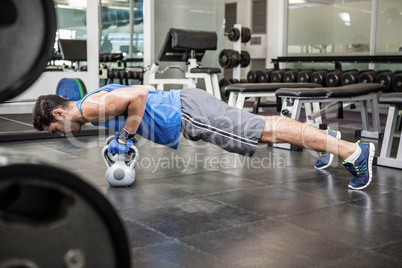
206, 118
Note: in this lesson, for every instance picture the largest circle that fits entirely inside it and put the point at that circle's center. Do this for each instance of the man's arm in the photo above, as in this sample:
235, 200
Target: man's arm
99, 107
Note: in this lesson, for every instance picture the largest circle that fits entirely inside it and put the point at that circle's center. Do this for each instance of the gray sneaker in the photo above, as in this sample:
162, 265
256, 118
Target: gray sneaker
325, 159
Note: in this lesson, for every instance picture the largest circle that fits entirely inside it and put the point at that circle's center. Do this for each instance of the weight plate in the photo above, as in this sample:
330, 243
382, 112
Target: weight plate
397, 82
68, 89
52, 218
84, 88
222, 84
245, 59
245, 34
233, 34
252, 76
229, 58
318, 77
385, 78
264, 76
26, 46
79, 88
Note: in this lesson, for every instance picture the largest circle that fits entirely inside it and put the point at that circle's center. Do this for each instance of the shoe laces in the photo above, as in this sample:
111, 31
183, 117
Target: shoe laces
357, 170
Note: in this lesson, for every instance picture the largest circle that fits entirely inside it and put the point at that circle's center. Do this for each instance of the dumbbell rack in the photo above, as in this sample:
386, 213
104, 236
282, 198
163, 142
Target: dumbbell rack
237, 47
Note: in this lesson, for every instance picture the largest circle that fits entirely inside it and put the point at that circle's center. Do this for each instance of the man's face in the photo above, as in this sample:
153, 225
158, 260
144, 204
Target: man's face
63, 126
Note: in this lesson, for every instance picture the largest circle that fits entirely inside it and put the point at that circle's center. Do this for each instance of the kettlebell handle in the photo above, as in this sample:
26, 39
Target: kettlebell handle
114, 158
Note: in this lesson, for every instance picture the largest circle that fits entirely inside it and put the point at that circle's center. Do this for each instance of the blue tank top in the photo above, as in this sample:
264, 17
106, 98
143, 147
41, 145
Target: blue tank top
161, 122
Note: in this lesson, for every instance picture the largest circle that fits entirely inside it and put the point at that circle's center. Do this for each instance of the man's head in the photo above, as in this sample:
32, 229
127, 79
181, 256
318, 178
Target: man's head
51, 113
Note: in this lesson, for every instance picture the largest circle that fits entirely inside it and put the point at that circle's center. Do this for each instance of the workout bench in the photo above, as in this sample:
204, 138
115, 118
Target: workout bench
385, 159
295, 98
188, 46
239, 92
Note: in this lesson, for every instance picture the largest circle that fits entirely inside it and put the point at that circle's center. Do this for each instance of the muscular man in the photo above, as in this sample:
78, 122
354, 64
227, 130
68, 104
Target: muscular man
161, 116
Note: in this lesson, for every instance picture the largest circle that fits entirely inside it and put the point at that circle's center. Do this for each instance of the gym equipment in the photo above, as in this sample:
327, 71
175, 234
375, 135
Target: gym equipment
385, 78
304, 76
397, 82
72, 89
239, 92
28, 31
277, 76
319, 77
233, 34
290, 76
333, 79
368, 77
229, 58
49, 217
350, 77
252, 76
244, 58
245, 34
295, 98
222, 84
120, 170
264, 76
385, 159
188, 46
111, 57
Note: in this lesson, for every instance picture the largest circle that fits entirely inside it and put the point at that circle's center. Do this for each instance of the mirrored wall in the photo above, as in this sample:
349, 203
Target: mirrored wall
344, 27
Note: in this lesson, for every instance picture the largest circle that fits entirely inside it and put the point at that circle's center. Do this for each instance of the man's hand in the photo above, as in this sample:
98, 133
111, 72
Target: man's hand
115, 147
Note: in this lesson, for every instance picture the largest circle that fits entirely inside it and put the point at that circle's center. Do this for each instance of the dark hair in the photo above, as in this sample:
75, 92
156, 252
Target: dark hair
44, 106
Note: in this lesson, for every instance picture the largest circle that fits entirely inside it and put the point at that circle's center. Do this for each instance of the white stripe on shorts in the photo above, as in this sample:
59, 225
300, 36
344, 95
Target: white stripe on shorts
228, 134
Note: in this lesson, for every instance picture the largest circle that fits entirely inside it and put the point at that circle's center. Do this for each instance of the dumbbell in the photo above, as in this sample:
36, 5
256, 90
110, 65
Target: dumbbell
245, 34
229, 58
397, 82
333, 79
350, 77
265, 76
385, 78
234, 34
222, 84
252, 76
368, 76
244, 59
277, 76
319, 77
304, 76
290, 76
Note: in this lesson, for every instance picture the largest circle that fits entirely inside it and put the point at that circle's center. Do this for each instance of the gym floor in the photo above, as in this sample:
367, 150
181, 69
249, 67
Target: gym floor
200, 206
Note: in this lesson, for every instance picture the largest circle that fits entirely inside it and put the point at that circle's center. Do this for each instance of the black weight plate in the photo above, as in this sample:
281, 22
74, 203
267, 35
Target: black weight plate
304, 76
277, 76
350, 78
46, 212
26, 44
264, 76
397, 82
333, 79
245, 34
222, 84
318, 77
233, 34
290, 76
385, 78
368, 77
245, 59
252, 76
